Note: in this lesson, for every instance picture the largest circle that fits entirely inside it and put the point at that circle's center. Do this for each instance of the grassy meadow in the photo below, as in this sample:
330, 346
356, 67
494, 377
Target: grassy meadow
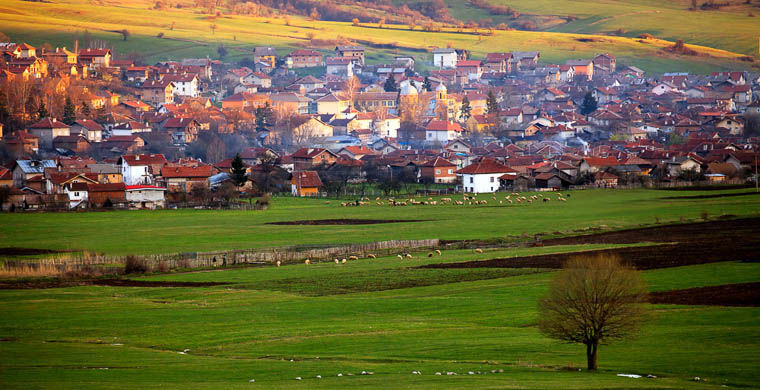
175, 231
186, 32
274, 325
385, 316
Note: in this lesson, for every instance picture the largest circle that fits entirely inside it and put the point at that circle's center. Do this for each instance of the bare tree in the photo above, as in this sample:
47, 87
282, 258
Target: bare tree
591, 301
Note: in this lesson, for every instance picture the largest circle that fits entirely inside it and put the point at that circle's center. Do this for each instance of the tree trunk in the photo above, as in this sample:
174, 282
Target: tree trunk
591, 349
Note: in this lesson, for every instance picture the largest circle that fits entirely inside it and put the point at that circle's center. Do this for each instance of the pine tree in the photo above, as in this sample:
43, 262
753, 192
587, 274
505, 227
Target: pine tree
42, 111
465, 112
238, 170
491, 104
390, 84
69, 112
426, 84
589, 104
86, 110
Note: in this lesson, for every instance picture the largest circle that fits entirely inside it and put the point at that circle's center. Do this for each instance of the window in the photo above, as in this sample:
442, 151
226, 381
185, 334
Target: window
451, 171
470, 179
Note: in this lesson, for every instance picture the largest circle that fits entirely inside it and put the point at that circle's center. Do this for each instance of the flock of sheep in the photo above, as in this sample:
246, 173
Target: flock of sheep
467, 199
400, 256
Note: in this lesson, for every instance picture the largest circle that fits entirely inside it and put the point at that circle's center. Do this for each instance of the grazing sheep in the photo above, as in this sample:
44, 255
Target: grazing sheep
501, 201
336, 261
478, 250
509, 200
343, 261
483, 202
430, 254
327, 202
399, 256
343, 204
371, 256
438, 252
546, 200
278, 263
353, 258
307, 262
378, 198
409, 256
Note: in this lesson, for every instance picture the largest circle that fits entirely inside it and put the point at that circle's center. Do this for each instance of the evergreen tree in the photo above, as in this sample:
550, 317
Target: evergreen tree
86, 110
390, 84
69, 112
42, 111
589, 104
238, 170
465, 112
491, 104
426, 84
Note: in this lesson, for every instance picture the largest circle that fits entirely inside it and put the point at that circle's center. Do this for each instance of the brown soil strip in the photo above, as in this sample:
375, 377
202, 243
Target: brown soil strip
16, 251
697, 243
61, 283
319, 222
740, 294
710, 196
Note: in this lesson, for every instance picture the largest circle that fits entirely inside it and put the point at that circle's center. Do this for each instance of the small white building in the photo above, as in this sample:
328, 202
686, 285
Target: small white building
185, 84
445, 58
145, 196
442, 132
140, 168
78, 194
483, 176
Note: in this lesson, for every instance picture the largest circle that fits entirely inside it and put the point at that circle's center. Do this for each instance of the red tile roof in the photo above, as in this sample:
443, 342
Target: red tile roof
49, 123
486, 166
307, 179
203, 171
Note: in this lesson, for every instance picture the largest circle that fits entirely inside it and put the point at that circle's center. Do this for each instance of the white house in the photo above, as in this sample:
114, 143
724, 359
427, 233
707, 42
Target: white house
185, 84
387, 127
145, 196
445, 58
442, 132
140, 168
483, 176
78, 194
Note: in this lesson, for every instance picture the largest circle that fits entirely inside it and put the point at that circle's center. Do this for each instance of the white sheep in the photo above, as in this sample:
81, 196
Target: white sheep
278, 263
438, 252
399, 256
409, 256
478, 250
343, 261
371, 256
307, 262
336, 261
353, 258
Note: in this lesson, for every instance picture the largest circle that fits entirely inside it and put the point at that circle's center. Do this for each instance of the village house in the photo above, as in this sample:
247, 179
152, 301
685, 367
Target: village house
340, 66
483, 176
75, 143
141, 168
98, 58
306, 158
305, 183
145, 196
23, 170
88, 128
185, 179
441, 132
265, 54
438, 170
605, 62
157, 92
444, 58
355, 53
186, 85
47, 129
22, 142
304, 58
583, 68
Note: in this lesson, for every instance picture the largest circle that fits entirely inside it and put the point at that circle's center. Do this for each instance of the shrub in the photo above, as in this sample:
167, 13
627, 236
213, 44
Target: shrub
162, 267
134, 265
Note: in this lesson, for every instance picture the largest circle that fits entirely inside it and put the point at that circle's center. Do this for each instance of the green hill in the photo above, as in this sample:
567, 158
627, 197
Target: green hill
174, 33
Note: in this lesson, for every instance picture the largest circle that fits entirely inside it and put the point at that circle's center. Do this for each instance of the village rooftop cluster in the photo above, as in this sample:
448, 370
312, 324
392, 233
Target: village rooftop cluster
84, 130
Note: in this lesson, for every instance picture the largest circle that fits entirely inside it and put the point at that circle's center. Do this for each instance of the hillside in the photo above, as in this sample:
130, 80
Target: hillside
173, 33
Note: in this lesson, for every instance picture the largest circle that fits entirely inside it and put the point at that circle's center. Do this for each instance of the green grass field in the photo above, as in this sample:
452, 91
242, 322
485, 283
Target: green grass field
384, 316
106, 337
59, 22
174, 231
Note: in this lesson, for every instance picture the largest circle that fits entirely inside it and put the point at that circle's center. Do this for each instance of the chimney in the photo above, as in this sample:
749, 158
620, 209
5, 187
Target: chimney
137, 157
